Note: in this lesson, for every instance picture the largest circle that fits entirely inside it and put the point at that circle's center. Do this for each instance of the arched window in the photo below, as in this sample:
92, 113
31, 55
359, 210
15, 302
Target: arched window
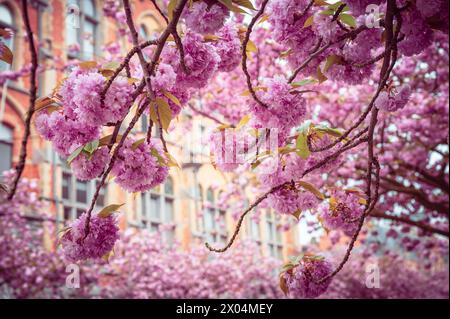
81, 29
157, 208
6, 147
7, 21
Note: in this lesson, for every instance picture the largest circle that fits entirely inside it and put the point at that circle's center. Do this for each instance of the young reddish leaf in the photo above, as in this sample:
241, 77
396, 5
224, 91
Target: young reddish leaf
320, 76
86, 65
5, 54
297, 214
283, 285
308, 22
331, 60
107, 72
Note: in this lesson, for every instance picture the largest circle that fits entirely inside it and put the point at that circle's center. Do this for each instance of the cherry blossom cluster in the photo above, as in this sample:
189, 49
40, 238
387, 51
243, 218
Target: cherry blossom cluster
140, 167
343, 212
79, 245
391, 101
307, 277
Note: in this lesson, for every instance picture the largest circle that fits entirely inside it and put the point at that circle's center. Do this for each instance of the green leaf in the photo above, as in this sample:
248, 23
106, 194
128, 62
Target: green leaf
111, 65
75, 154
303, 82
91, 147
110, 209
348, 19
64, 230
295, 260
161, 161
286, 53
327, 12
312, 189
334, 6
302, 146
171, 161
328, 130
136, 144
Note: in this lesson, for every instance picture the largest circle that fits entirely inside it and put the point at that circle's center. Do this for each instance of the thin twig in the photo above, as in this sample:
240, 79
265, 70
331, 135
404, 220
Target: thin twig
33, 92
152, 65
244, 54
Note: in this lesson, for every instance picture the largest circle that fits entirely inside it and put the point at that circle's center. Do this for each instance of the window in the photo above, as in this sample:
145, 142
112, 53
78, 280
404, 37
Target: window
143, 32
196, 193
81, 29
157, 209
76, 195
6, 147
6, 21
273, 235
254, 231
214, 221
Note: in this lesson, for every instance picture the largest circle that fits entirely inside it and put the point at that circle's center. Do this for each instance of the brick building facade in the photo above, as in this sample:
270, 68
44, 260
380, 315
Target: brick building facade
176, 203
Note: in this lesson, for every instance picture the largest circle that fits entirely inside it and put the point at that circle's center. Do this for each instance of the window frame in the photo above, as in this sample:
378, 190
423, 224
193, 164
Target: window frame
9, 143
145, 220
13, 27
274, 242
83, 17
71, 202
217, 233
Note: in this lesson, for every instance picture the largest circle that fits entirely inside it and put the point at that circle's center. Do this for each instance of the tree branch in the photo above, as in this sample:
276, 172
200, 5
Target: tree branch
33, 92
